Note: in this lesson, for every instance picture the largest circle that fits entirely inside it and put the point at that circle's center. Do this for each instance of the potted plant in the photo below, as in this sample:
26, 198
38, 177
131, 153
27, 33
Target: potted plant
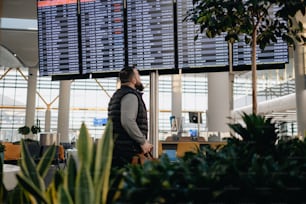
35, 129
85, 179
256, 167
24, 130
249, 22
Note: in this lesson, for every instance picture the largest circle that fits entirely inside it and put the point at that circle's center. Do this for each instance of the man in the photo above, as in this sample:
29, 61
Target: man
128, 112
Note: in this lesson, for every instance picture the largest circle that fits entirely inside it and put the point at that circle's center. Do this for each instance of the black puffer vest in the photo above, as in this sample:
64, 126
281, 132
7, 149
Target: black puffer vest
114, 112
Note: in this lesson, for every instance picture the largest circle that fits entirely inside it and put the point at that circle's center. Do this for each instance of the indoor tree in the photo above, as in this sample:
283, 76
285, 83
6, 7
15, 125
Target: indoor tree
250, 20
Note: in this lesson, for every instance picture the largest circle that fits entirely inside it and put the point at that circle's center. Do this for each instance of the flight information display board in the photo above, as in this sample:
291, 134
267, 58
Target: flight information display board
276, 53
102, 35
204, 52
58, 37
83, 37
150, 27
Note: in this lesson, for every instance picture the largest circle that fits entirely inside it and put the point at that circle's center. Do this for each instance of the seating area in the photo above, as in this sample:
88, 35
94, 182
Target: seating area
12, 151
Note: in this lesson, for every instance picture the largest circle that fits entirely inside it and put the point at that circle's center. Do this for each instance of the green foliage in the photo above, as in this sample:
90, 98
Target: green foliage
2, 147
236, 18
239, 172
83, 181
253, 22
24, 130
256, 168
258, 131
31, 177
157, 182
35, 129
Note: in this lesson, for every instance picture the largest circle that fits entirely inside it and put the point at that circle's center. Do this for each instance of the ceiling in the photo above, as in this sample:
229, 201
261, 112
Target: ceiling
25, 9
21, 43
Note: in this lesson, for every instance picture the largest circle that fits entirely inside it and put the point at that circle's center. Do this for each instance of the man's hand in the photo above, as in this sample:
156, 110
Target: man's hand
146, 147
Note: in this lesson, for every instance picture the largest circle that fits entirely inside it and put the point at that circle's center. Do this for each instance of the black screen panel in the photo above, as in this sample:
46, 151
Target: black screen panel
97, 38
102, 35
58, 37
150, 34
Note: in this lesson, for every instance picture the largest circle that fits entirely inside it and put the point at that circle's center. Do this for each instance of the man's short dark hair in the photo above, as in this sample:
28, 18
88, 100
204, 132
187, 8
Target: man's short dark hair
126, 74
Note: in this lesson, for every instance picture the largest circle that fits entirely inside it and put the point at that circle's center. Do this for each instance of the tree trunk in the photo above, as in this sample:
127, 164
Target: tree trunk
254, 73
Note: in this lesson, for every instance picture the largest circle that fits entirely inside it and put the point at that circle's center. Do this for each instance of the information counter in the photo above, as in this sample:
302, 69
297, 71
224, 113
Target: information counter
179, 148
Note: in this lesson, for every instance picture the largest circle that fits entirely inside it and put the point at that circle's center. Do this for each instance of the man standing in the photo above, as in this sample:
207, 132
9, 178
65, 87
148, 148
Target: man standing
128, 112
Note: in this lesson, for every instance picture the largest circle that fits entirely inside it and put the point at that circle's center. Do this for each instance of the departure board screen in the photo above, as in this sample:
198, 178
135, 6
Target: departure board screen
204, 52
83, 37
58, 37
150, 27
276, 53
102, 35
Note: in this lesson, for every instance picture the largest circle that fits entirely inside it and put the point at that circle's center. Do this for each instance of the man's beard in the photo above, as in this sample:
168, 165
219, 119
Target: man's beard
139, 87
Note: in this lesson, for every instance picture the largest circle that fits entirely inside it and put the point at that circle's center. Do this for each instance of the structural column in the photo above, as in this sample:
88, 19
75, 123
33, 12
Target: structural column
31, 99
63, 111
176, 99
48, 120
300, 88
218, 102
154, 134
